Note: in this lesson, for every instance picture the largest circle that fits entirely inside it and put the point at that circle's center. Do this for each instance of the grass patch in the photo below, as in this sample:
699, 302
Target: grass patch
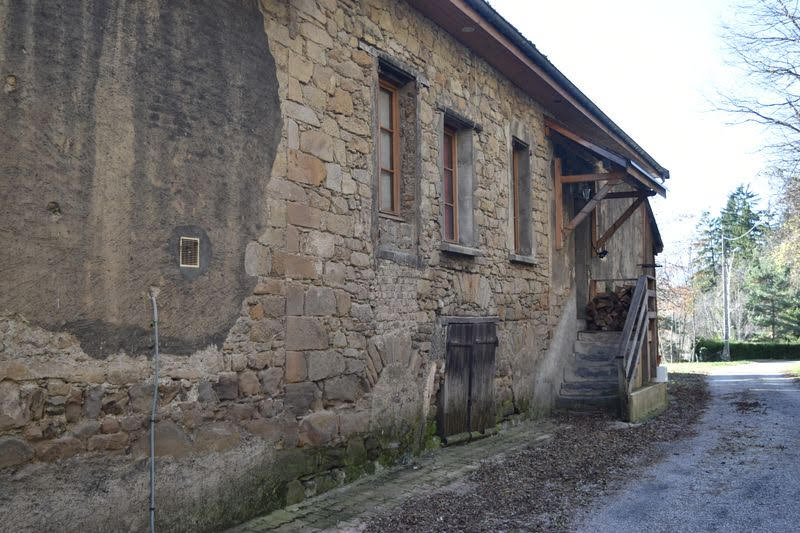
702, 368
795, 371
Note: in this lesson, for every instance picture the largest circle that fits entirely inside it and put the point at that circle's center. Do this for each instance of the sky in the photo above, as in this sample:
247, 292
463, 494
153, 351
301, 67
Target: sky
656, 68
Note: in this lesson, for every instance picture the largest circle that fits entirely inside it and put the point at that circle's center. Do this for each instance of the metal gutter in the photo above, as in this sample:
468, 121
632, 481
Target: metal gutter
510, 32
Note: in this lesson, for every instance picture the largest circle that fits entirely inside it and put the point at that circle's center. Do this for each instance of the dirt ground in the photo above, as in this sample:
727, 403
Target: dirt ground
541, 487
740, 472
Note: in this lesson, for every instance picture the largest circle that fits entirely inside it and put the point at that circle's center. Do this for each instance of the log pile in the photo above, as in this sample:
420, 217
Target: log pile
608, 310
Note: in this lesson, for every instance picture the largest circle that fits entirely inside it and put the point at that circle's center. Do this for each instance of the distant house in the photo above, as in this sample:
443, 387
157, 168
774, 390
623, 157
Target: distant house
370, 225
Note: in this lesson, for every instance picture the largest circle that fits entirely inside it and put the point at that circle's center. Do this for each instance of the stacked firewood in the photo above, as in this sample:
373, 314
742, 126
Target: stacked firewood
608, 310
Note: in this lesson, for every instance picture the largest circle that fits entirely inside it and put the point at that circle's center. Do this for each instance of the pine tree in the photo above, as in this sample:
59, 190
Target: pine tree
769, 296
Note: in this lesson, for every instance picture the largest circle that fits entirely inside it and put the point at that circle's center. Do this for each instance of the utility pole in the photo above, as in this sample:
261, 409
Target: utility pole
726, 346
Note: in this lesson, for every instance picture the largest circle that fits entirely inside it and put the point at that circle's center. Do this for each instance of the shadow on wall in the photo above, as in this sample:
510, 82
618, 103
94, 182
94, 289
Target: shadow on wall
130, 125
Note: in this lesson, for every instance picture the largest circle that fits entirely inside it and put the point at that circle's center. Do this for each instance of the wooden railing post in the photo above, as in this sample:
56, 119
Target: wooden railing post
637, 336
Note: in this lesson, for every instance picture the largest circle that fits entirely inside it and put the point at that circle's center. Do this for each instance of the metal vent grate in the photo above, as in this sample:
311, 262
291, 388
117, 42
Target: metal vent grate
190, 252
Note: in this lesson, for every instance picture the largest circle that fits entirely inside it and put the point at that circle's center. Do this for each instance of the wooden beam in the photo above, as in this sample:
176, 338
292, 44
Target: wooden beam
581, 178
621, 161
559, 201
590, 205
619, 222
629, 194
593, 231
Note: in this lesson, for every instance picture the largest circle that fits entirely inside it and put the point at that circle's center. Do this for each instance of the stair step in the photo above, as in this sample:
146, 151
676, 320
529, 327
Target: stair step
589, 388
594, 348
588, 403
600, 336
591, 371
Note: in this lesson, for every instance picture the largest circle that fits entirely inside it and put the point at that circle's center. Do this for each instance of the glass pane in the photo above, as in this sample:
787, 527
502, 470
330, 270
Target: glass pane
386, 191
385, 108
448, 186
448, 222
448, 150
386, 150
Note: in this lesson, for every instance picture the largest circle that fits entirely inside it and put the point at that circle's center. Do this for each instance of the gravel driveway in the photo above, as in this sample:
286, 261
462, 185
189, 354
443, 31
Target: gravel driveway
740, 473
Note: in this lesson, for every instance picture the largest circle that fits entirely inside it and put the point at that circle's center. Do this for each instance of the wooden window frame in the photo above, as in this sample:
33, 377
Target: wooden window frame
516, 148
395, 207
452, 134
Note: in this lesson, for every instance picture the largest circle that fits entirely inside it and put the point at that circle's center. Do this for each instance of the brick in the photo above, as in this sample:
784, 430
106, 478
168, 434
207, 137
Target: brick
270, 286
318, 429
216, 437
62, 448
116, 441
320, 301
271, 380
300, 68
295, 297
12, 412
321, 244
305, 333
171, 440
317, 143
303, 215
294, 266
109, 425
305, 168
353, 422
14, 451
324, 364
301, 398
296, 368
343, 303
360, 260
341, 103
227, 386
343, 388
249, 384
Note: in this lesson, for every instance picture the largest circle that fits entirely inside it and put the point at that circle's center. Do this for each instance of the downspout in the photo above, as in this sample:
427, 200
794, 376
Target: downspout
153, 294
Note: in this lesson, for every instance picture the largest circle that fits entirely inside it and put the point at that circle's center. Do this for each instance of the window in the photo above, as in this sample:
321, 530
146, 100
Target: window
450, 186
457, 194
388, 181
190, 252
521, 191
397, 166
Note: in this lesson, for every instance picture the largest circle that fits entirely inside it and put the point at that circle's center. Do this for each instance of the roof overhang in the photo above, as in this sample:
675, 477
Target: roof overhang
501, 45
635, 175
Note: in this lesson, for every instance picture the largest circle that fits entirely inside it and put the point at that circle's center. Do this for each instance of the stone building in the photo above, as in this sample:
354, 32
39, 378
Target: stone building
352, 213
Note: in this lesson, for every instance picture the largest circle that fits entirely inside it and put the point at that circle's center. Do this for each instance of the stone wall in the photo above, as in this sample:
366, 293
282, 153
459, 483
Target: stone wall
333, 361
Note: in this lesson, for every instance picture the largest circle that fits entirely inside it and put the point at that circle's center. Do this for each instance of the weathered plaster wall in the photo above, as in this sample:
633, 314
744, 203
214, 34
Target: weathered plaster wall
626, 248
125, 126
330, 362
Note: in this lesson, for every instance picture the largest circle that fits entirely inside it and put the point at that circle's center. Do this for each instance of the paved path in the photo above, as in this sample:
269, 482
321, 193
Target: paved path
741, 472
349, 507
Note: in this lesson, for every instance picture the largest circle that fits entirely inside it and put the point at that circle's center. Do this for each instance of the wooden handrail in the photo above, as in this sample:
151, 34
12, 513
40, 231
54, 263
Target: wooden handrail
638, 322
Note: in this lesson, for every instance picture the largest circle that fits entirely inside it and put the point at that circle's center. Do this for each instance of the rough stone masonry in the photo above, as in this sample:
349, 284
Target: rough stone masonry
306, 348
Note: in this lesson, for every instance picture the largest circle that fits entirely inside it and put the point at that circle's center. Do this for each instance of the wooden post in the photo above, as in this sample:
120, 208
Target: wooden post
559, 207
590, 205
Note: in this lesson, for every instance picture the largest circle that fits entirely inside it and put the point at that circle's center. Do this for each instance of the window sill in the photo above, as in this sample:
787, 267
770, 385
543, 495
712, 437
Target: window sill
402, 258
391, 216
453, 248
525, 259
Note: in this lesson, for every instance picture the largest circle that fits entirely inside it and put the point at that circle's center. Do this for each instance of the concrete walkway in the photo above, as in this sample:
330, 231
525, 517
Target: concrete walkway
741, 472
348, 508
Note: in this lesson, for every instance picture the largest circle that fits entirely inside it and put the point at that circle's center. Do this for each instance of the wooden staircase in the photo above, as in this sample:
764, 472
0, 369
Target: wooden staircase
591, 380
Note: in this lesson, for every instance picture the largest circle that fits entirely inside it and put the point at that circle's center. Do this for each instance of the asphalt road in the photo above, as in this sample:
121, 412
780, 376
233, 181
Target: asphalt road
740, 473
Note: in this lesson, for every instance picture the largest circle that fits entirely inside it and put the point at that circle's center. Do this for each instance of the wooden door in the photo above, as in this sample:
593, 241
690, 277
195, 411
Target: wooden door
468, 392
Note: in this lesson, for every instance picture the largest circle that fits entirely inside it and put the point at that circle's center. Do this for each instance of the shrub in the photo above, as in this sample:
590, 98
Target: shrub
711, 350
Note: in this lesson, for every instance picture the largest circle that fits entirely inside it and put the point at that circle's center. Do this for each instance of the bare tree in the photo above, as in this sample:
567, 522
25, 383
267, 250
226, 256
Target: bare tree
764, 41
